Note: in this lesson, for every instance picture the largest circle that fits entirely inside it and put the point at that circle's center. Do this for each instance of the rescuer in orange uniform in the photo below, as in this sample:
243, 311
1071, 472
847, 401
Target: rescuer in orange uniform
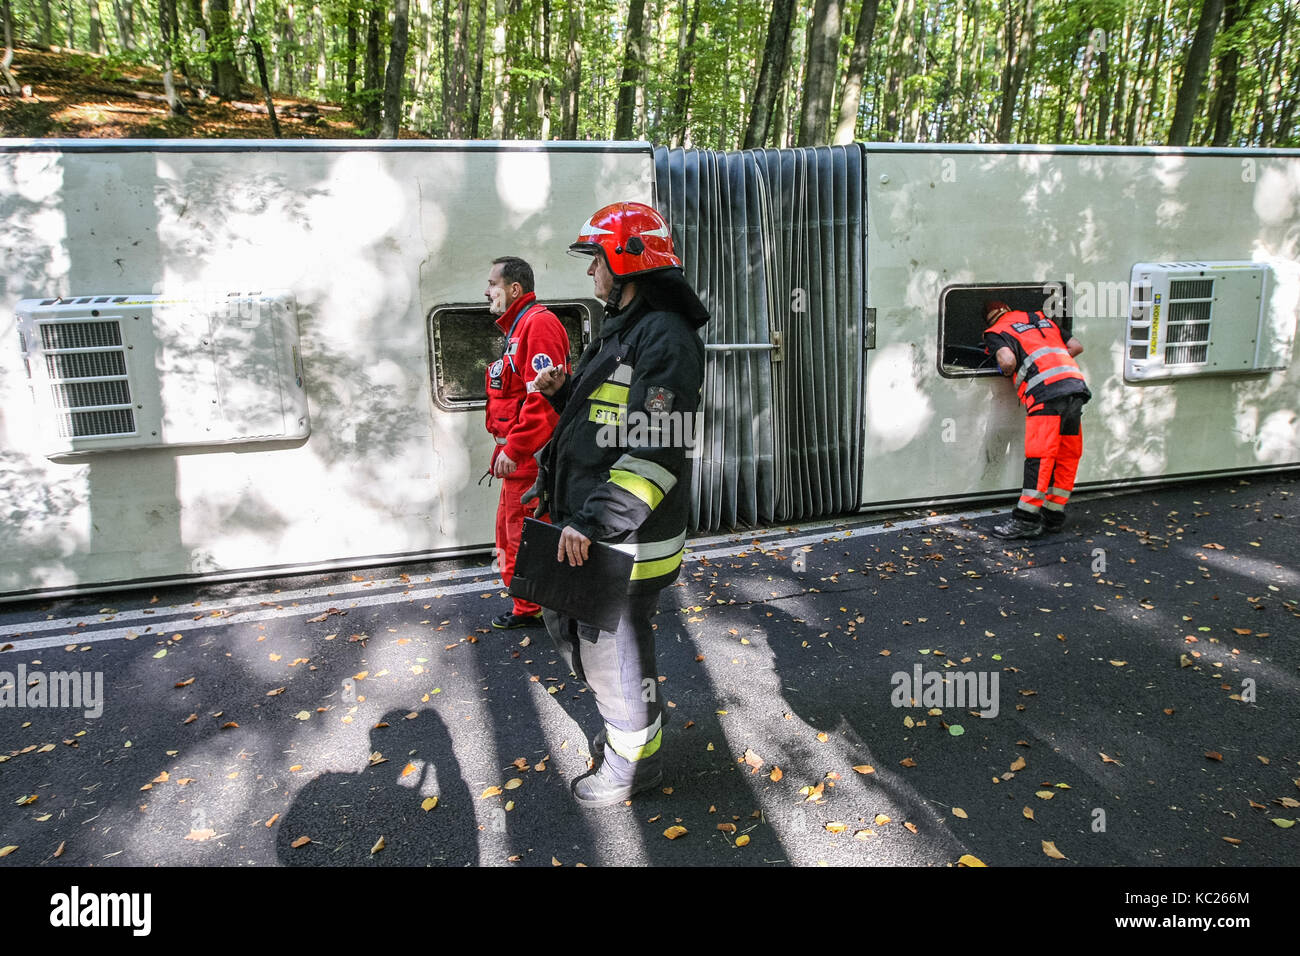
518, 416
1049, 383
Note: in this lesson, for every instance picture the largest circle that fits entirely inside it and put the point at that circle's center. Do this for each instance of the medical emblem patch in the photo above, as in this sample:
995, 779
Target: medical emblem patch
541, 361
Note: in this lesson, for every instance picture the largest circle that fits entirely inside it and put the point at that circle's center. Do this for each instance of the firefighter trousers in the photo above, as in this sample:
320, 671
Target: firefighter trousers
619, 667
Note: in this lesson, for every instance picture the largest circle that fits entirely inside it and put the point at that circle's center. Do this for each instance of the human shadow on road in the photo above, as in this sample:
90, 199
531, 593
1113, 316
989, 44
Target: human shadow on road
345, 814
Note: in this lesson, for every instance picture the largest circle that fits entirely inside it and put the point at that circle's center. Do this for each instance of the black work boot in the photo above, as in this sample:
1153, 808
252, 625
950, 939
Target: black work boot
1018, 525
1053, 521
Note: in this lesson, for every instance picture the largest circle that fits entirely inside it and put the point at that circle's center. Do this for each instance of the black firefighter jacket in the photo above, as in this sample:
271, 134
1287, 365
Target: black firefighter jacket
617, 469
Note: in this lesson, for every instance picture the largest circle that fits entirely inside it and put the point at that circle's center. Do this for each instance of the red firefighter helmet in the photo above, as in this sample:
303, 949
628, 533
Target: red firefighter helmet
633, 237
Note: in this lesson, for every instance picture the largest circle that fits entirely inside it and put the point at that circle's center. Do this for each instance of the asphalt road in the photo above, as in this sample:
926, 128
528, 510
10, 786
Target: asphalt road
1139, 678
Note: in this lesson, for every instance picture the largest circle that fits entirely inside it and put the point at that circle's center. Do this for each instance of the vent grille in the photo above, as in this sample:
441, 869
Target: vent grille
90, 394
1186, 354
81, 335
1187, 333
116, 421
85, 364
1191, 288
99, 405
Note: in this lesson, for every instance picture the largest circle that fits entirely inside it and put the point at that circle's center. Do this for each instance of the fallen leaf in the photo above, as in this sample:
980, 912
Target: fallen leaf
5, 851
742, 840
428, 803
302, 715
271, 822
1213, 755
1233, 840
865, 768
674, 832
863, 834
199, 836
1284, 824
514, 783
822, 737
229, 725
185, 683
836, 827
1050, 849
300, 842
1105, 759
881, 819
726, 827
1019, 764
775, 775
956, 730
754, 760
1119, 663
276, 692
1045, 794
490, 792
911, 827
59, 852
959, 813
409, 769
1027, 813
908, 762
968, 860
379, 845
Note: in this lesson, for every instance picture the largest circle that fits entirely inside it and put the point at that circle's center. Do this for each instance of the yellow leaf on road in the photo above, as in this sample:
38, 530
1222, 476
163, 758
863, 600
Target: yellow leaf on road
300, 842
836, 827
379, 845
865, 768
742, 840
969, 860
1028, 814
1044, 794
490, 792
674, 832
881, 819
514, 783
428, 803
5, 851
775, 775
1020, 763
1050, 849
959, 813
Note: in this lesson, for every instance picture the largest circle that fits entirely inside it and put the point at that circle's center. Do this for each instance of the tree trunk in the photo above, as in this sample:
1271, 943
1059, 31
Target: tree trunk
500, 91
685, 64
544, 84
96, 28
1081, 106
372, 84
260, 59
572, 75
476, 100
819, 82
350, 76
395, 77
226, 76
1225, 99
770, 74
8, 85
1018, 34
633, 56
167, 32
1198, 64
123, 30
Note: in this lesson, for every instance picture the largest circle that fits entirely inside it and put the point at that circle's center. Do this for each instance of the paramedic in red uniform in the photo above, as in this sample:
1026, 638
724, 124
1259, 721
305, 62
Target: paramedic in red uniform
519, 417
1030, 349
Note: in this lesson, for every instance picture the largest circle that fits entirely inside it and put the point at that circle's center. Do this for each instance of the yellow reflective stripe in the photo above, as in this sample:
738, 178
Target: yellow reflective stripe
653, 569
633, 745
657, 473
609, 392
605, 414
644, 489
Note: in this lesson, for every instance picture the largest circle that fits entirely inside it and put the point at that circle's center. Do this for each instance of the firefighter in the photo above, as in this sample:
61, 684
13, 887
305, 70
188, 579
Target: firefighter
518, 418
1049, 383
617, 471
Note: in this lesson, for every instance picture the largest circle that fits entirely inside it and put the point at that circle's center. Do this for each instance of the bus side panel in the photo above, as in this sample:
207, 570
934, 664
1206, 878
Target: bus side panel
368, 241
937, 218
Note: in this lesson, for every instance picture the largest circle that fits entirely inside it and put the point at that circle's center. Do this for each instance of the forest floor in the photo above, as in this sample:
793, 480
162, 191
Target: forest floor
73, 94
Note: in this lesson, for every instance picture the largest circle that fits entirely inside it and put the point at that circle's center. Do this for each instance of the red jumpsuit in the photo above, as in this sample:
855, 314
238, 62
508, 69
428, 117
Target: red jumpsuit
520, 420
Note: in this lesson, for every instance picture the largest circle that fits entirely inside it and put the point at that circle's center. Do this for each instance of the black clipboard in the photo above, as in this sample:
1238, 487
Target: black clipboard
595, 593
